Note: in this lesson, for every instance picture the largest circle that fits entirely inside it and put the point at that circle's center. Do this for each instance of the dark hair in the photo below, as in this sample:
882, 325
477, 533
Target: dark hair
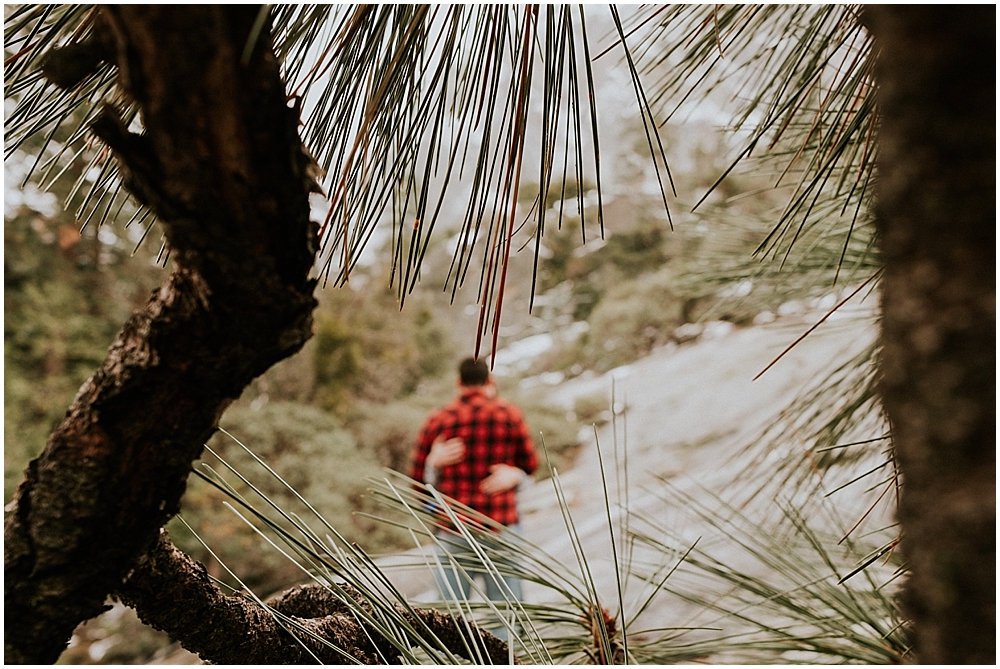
473, 372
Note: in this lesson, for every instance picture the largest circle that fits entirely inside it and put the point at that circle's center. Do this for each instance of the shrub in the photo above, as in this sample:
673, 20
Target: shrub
389, 431
366, 348
633, 318
311, 452
593, 409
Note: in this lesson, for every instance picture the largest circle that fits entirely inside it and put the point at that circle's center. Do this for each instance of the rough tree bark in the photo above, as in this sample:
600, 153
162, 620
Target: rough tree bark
173, 593
221, 163
936, 214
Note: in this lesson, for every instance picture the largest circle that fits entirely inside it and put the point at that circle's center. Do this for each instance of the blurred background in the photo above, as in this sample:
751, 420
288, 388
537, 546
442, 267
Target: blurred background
351, 402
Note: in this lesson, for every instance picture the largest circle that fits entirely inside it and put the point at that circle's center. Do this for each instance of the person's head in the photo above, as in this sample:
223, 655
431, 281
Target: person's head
472, 372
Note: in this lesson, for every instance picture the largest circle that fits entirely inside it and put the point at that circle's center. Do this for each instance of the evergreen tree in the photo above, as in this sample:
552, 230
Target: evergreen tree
198, 109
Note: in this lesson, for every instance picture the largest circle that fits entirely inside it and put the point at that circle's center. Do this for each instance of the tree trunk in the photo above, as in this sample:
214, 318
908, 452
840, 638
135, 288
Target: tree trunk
936, 216
221, 163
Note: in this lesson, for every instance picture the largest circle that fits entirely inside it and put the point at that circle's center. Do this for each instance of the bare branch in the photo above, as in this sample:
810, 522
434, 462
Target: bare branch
172, 592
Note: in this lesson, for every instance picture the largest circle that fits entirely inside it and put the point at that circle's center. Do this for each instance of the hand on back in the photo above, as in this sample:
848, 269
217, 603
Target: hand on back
501, 479
446, 452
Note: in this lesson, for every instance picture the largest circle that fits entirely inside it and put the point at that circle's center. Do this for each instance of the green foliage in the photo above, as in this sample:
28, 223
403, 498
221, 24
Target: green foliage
635, 286
633, 318
623, 255
800, 591
367, 348
311, 452
389, 431
65, 297
808, 96
338, 359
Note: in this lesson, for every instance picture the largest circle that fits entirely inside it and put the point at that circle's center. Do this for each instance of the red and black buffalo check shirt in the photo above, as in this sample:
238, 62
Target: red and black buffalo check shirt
494, 432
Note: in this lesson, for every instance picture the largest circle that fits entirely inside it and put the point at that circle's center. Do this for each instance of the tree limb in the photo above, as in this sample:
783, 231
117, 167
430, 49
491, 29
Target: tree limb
172, 592
222, 147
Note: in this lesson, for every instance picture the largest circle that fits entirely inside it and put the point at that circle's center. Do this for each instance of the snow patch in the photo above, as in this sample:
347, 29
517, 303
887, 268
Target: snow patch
517, 357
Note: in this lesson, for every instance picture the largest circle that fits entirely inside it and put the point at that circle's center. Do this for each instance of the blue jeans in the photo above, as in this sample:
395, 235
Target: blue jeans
455, 585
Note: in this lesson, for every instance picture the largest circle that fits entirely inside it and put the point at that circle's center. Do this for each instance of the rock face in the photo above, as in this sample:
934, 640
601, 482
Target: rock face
687, 411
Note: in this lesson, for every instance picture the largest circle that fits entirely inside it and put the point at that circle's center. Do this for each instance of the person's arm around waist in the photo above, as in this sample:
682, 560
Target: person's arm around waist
443, 452
502, 478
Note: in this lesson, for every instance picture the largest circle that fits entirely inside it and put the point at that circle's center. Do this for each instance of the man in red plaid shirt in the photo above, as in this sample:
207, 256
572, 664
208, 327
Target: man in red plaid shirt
476, 450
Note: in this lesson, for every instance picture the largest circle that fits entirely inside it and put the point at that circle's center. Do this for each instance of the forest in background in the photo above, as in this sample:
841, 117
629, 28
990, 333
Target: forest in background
598, 333
352, 401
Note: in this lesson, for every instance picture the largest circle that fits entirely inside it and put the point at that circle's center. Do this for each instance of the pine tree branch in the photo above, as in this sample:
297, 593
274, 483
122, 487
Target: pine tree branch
173, 593
221, 148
